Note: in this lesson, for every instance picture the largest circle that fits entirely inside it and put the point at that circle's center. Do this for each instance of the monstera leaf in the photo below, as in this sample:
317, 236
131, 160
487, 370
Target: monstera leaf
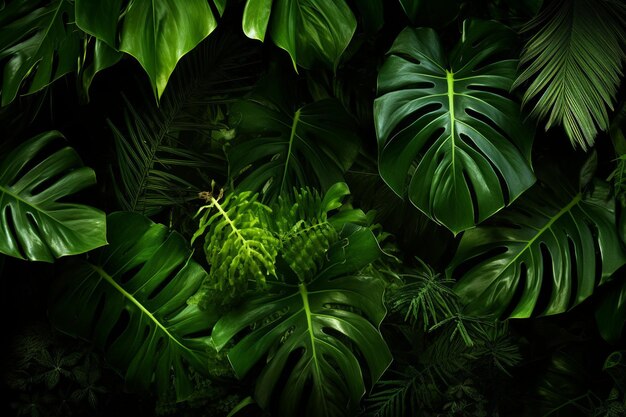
156, 32
307, 334
282, 147
611, 312
130, 298
39, 43
550, 245
306, 29
449, 123
34, 224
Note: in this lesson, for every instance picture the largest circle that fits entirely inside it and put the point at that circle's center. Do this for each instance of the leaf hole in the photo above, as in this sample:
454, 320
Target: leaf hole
517, 293
162, 285
129, 274
118, 329
547, 281
473, 196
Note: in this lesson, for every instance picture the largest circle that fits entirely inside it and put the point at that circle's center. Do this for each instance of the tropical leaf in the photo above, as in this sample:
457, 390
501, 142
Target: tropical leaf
39, 43
573, 63
555, 243
308, 30
238, 243
156, 33
34, 224
130, 298
611, 311
164, 157
320, 326
281, 146
452, 119
101, 57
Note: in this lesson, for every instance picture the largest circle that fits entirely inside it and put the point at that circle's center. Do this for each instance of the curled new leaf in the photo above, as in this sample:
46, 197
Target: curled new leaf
447, 123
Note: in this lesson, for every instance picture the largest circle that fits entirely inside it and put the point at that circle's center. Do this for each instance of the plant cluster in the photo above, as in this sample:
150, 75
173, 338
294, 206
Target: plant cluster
313, 208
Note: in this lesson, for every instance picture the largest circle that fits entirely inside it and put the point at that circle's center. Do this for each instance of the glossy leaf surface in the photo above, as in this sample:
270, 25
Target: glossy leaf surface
308, 30
130, 299
34, 224
451, 118
156, 32
303, 322
548, 245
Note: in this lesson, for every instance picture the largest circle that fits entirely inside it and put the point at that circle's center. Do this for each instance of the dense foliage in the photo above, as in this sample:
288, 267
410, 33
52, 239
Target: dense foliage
313, 207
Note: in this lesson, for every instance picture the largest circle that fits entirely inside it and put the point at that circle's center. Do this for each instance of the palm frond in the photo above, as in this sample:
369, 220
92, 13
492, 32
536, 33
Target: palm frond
166, 154
573, 64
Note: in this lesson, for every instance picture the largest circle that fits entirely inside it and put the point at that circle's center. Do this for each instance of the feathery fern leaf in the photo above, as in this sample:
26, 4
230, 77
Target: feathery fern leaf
161, 145
574, 64
238, 243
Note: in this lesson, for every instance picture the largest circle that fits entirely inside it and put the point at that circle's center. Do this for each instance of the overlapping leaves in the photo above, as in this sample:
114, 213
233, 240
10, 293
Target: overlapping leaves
39, 43
282, 146
554, 244
156, 32
447, 123
34, 224
308, 30
319, 325
130, 298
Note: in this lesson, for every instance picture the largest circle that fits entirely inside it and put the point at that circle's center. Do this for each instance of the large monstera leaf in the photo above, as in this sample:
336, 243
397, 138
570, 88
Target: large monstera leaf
130, 298
554, 244
308, 30
449, 124
282, 146
156, 32
306, 334
39, 43
34, 224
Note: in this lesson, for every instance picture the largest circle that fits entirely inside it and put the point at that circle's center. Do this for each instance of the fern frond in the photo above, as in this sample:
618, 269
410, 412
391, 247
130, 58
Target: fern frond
239, 246
304, 231
165, 154
574, 65
426, 297
395, 397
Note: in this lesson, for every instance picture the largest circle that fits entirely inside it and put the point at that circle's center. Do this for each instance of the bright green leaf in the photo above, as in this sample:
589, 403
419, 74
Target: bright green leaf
34, 224
451, 118
156, 32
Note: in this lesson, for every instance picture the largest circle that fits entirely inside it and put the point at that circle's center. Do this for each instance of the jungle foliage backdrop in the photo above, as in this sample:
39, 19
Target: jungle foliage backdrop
313, 207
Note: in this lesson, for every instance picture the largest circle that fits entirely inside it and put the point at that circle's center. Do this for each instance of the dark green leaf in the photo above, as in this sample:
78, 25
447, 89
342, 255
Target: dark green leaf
611, 313
282, 147
553, 233
34, 224
308, 30
451, 118
156, 32
40, 44
130, 298
318, 324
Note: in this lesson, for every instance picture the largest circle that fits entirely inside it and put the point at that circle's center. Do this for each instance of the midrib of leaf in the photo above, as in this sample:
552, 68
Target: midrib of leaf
450, 83
294, 127
545, 228
309, 321
6, 191
108, 278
